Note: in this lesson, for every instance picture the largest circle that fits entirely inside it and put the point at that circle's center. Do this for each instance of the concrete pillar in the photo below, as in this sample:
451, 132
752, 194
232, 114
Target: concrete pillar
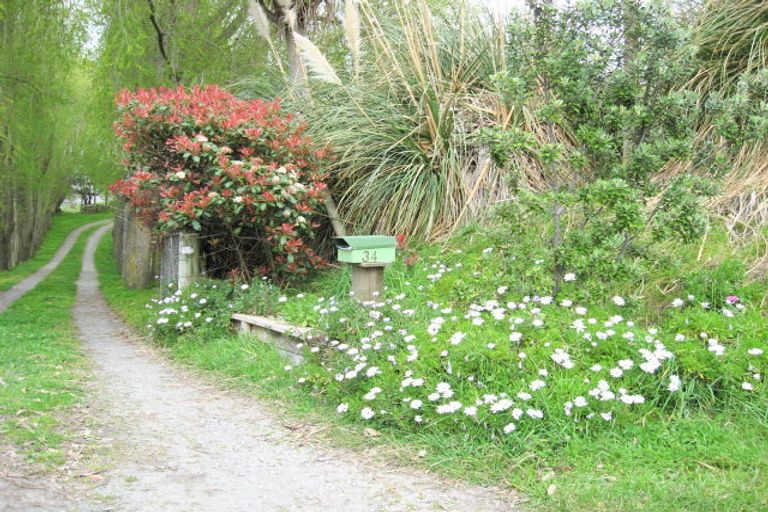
180, 262
139, 254
118, 232
189, 259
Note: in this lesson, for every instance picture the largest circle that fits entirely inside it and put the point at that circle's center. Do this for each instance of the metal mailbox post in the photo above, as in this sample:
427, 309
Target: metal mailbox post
368, 256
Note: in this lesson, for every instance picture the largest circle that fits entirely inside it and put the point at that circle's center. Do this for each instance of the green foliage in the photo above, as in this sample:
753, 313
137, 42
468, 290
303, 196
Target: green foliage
714, 285
740, 116
462, 288
404, 123
38, 122
679, 212
610, 235
206, 306
504, 143
610, 73
129, 56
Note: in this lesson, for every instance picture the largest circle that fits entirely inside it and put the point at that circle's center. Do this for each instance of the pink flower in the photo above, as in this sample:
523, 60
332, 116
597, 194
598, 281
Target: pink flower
732, 299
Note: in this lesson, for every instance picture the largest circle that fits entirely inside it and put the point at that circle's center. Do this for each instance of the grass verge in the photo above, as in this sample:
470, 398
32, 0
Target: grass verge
41, 366
61, 225
695, 461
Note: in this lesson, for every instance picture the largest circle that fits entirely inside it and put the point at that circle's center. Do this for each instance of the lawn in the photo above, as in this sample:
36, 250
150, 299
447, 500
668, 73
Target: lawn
702, 448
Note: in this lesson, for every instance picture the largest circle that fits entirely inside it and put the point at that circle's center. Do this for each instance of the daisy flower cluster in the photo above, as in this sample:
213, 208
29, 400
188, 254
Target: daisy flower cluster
179, 312
509, 364
206, 304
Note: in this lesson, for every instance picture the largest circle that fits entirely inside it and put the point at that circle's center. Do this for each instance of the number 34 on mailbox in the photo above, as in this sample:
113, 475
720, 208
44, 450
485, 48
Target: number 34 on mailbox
371, 250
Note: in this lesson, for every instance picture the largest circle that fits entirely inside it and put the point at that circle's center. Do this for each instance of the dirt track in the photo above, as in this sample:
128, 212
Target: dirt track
9, 297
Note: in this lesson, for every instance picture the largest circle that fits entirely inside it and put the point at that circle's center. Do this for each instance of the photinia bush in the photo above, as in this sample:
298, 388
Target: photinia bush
242, 173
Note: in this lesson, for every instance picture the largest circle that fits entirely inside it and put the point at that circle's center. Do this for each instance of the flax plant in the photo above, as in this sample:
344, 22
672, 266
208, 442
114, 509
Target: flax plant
404, 121
730, 38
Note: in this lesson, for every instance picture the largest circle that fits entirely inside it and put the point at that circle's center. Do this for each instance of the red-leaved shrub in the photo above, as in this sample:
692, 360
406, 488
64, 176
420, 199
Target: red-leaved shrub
242, 173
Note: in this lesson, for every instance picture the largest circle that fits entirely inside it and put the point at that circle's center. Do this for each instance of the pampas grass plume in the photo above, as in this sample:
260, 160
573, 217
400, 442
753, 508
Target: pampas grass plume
352, 31
259, 19
315, 60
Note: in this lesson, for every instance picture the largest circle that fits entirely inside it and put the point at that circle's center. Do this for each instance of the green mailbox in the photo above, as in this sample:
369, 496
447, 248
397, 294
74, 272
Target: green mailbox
371, 250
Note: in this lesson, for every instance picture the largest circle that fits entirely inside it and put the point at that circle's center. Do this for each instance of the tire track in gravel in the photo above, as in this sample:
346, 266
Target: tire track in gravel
19, 289
193, 447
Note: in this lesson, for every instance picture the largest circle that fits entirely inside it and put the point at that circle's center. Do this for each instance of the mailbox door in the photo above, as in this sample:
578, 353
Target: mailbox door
373, 255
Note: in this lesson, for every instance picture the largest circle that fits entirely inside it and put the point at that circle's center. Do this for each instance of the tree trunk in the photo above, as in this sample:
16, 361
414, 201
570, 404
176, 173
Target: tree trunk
296, 73
629, 14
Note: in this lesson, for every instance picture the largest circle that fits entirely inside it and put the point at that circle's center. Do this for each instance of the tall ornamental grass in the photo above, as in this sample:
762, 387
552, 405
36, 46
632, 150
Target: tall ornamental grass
402, 124
730, 38
415, 90
730, 42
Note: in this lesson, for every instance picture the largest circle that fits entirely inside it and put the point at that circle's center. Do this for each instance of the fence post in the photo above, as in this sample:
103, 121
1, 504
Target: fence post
180, 261
139, 253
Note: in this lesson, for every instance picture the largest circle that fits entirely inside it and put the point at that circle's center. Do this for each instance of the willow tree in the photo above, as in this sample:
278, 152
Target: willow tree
41, 43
